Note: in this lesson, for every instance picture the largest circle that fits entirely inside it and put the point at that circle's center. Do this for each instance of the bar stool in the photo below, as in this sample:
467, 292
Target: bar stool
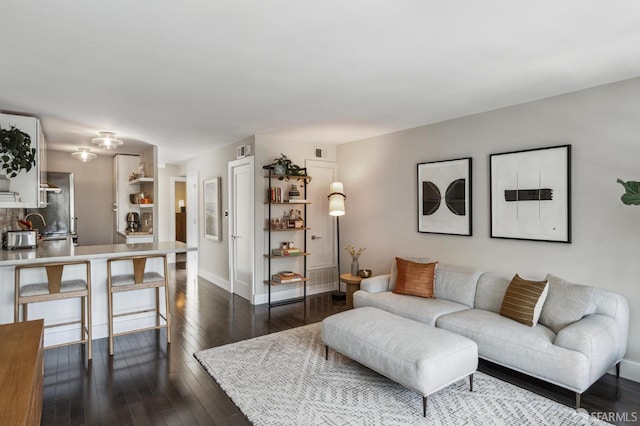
137, 281
55, 288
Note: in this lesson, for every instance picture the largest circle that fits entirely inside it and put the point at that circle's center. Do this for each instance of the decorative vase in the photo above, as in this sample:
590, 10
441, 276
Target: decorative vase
279, 169
5, 183
354, 268
294, 194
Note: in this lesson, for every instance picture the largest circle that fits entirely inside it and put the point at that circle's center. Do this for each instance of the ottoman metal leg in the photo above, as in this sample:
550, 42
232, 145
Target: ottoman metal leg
424, 406
471, 382
326, 352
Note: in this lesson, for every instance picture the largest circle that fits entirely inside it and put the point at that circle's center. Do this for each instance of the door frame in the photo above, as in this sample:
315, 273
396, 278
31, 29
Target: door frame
171, 258
230, 225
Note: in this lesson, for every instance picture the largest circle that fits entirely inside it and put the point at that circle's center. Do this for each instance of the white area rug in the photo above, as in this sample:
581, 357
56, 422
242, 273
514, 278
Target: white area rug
284, 379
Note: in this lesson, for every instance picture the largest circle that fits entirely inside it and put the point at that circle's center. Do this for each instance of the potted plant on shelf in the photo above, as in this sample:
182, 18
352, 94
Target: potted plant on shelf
16, 154
285, 168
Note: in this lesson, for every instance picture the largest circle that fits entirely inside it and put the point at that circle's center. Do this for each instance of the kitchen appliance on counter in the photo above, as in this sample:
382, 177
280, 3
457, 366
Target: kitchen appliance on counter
59, 213
133, 222
13, 240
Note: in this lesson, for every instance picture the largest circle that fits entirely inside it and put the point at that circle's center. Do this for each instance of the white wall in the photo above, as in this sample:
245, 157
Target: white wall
213, 256
93, 195
603, 126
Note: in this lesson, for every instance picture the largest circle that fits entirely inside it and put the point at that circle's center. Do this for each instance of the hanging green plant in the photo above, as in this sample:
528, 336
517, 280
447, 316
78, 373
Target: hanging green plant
632, 194
16, 153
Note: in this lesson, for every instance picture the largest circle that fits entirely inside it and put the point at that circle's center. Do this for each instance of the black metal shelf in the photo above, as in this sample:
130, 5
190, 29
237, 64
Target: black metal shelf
269, 232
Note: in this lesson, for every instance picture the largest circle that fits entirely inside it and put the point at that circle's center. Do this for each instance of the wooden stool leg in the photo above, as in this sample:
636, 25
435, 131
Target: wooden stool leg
157, 289
167, 310
110, 314
25, 312
166, 300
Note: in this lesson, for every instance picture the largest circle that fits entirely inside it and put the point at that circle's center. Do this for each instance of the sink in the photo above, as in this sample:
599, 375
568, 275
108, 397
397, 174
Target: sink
54, 237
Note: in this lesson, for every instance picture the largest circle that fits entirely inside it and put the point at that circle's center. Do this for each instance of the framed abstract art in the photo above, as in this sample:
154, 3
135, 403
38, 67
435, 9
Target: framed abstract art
444, 197
531, 194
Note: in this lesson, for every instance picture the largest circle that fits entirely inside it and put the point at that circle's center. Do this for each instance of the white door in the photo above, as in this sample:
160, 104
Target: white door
192, 226
241, 214
320, 240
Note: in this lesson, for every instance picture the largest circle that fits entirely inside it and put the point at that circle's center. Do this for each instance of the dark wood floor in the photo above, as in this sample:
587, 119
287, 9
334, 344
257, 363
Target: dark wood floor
148, 383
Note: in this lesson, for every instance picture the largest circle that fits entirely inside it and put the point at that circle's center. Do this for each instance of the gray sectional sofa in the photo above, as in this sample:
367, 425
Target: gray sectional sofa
582, 331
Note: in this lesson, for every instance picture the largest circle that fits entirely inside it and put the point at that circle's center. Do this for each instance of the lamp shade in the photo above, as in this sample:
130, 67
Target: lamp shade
336, 199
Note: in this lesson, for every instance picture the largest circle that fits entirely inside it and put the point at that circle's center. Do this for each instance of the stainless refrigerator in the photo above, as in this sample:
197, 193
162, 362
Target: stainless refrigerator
59, 213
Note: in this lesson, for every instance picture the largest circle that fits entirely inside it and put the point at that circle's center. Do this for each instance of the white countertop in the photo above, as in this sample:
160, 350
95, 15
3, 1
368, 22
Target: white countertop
61, 250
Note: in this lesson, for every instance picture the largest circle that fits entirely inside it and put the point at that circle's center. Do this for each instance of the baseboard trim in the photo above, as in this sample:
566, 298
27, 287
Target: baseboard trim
629, 370
261, 299
214, 279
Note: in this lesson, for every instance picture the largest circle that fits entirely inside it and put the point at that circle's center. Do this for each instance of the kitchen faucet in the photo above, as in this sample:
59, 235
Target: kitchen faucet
44, 222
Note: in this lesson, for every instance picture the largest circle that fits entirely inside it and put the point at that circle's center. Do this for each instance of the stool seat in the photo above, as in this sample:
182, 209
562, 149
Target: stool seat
40, 289
129, 279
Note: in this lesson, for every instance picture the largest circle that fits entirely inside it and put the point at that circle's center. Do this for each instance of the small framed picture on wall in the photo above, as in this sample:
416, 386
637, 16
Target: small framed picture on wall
212, 217
444, 197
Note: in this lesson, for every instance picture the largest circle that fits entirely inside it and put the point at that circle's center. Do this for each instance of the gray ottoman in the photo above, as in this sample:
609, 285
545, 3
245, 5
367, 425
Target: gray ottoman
416, 355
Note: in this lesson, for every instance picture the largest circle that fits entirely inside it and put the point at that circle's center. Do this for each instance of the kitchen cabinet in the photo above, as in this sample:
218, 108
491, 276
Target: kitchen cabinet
29, 185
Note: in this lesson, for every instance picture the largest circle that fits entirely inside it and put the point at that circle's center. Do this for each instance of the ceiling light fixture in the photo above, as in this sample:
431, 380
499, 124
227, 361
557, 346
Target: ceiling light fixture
84, 154
107, 140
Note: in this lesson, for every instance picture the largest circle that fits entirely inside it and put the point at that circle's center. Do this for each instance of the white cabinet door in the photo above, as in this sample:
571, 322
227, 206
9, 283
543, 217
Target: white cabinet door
27, 184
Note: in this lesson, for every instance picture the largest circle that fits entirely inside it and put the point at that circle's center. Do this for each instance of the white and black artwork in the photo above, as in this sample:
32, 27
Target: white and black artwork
444, 197
531, 194
212, 217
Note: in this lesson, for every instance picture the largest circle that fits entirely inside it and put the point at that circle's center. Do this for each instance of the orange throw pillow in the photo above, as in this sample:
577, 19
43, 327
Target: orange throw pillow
415, 279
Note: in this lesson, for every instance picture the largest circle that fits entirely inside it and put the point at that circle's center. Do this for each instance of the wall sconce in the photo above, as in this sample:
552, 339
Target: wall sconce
84, 154
107, 140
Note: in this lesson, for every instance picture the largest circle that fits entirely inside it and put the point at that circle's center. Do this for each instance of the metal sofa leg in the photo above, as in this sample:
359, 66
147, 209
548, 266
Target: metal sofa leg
617, 370
326, 352
471, 382
424, 406
578, 395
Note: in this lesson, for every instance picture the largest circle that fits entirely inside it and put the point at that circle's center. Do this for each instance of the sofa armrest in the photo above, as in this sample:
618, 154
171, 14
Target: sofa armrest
376, 284
596, 336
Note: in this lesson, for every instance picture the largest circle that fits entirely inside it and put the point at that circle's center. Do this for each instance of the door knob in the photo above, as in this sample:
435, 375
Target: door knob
313, 237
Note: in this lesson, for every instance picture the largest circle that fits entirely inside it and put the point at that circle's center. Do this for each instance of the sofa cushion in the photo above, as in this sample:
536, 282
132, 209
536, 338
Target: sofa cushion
415, 279
415, 308
526, 349
393, 277
566, 303
456, 283
490, 291
523, 300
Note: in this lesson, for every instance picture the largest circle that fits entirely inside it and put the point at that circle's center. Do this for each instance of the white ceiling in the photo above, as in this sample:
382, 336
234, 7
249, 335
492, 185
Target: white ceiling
193, 75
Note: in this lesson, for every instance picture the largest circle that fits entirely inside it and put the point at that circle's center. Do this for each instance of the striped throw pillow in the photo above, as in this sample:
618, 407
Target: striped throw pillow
415, 279
523, 300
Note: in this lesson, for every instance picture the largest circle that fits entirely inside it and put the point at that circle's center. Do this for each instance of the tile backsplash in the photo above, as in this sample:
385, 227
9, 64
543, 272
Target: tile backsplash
8, 219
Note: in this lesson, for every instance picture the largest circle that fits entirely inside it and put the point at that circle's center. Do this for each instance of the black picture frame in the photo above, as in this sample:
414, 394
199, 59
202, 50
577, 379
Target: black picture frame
530, 193
444, 197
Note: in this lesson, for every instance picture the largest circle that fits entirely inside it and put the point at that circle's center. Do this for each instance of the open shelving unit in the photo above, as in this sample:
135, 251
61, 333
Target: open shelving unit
276, 209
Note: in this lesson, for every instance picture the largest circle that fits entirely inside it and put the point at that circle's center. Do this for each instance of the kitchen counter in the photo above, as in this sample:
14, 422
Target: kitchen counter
61, 250
64, 311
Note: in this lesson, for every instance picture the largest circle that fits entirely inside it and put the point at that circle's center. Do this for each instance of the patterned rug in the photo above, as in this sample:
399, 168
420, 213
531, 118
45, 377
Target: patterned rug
284, 379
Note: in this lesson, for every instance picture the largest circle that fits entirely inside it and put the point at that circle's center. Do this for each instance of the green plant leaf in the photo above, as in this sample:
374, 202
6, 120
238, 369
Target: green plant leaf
632, 194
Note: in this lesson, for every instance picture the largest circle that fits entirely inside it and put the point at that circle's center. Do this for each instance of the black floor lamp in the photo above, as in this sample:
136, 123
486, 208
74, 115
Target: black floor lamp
336, 208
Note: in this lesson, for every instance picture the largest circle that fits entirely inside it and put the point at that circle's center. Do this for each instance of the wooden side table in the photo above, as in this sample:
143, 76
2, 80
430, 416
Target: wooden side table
21, 372
353, 284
